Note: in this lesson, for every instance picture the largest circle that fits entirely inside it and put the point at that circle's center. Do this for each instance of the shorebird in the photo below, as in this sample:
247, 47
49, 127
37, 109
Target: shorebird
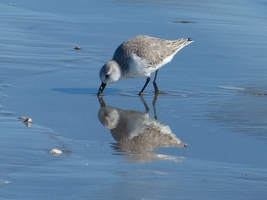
139, 57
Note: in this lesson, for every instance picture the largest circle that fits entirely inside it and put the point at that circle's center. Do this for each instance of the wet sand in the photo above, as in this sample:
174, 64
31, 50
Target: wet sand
214, 102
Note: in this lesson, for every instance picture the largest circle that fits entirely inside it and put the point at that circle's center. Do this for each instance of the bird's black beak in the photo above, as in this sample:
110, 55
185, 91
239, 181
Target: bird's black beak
101, 89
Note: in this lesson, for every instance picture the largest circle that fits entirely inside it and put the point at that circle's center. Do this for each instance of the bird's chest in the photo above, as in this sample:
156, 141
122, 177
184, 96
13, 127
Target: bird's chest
138, 67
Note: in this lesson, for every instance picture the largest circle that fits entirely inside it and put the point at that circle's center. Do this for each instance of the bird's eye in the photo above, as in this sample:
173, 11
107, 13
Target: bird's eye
107, 75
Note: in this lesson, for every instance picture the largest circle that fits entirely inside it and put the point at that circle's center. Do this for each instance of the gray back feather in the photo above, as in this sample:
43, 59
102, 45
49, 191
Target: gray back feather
153, 50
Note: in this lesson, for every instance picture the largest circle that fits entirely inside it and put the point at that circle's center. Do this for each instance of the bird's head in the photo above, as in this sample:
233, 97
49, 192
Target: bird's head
109, 73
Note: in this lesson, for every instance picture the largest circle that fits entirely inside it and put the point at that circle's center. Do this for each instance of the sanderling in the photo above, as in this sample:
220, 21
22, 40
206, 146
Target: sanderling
139, 57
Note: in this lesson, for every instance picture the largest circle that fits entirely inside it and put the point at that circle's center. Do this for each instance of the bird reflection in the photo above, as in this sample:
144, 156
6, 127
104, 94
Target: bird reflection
137, 133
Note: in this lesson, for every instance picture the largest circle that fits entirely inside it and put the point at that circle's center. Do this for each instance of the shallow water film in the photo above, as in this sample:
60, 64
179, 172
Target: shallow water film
204, 137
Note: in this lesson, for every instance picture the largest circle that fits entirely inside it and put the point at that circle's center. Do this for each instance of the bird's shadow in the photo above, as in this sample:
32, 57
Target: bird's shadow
83, 91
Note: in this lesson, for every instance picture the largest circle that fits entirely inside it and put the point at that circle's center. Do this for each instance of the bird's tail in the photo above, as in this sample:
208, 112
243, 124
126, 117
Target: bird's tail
180, 43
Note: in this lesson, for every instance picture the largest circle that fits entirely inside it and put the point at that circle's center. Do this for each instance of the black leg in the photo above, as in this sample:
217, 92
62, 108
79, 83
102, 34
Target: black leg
155, 84
147, 81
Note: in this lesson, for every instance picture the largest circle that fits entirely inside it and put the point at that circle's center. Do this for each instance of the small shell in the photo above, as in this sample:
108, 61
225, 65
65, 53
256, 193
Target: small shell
55, 151
28, 120
78, 48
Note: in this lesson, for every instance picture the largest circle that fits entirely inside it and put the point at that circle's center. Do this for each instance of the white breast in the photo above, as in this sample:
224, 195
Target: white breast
139, 67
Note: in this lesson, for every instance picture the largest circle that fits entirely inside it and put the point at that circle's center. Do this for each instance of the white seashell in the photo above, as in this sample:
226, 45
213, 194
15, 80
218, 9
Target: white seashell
55, 151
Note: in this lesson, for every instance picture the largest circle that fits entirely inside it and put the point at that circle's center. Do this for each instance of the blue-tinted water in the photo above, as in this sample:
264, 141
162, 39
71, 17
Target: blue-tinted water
215, 101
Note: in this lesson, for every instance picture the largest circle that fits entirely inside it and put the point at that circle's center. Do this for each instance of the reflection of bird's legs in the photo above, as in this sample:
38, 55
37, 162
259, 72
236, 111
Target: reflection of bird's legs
101, 101
154, 105
155, 83
144, 102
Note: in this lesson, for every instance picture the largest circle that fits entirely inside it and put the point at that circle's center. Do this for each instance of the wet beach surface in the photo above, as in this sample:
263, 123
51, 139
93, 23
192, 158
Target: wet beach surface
214, 100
